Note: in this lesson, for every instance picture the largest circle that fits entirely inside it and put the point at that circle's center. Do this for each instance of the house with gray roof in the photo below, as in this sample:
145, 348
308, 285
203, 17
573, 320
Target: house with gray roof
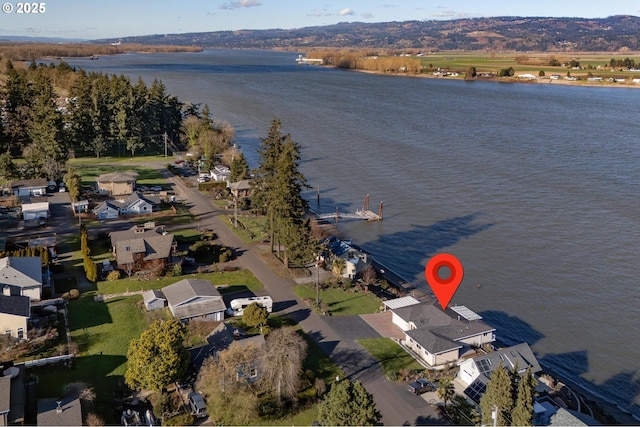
29, 187
139, 204
154, 299
142, 248
21, 276
441, 337
108, 209
12, 395
64, 411
194, 299
15, 311
475, 372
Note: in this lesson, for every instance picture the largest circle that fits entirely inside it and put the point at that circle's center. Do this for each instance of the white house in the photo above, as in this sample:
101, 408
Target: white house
108, 209
355, 259
21, 276
441, 337
194, 299
31, 211
220, 173
137, 203
475, 372
29, 187
154, 299
15, 311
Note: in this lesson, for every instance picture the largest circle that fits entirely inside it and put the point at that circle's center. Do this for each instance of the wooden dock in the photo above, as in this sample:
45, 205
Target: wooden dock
364, 213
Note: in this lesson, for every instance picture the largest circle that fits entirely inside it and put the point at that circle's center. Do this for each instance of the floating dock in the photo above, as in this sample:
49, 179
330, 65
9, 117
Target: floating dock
363, 213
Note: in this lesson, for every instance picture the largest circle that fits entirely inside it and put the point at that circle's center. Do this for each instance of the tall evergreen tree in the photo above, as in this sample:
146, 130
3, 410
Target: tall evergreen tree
239, 168
498, 395
348, 404
522, 414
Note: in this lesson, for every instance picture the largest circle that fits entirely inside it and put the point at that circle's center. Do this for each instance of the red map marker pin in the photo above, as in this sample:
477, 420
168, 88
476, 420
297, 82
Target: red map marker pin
444, 288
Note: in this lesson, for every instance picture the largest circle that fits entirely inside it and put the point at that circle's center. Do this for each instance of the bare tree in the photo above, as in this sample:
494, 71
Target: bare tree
282, 361
226, 380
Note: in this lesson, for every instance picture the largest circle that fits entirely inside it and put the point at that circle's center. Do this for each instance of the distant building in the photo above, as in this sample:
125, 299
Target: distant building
29, 187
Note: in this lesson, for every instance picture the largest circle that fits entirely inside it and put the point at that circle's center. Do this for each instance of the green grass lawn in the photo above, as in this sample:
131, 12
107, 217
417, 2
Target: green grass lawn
342, 302
102, 331
225, 281
250, 229
391, 356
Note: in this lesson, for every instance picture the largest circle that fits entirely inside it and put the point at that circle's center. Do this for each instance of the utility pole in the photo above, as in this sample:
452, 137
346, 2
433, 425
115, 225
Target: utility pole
165, 144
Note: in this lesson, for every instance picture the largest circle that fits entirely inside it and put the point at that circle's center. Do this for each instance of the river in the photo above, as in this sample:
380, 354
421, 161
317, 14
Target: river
534, 187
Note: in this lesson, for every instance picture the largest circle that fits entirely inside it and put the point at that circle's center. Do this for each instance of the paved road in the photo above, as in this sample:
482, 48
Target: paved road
335, 335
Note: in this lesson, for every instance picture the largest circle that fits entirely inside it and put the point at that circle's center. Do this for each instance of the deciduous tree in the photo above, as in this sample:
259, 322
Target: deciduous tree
158, 357
281, 366
226, 382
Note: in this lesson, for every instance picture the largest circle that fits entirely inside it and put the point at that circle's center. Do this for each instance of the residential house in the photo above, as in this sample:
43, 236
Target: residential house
31, 211
109, 209
12, 395
142, 248
220, 173
475, 372
241, 189
116, 183
21, 276
220, 339
29, 187
441, 337
15, 311
81, 206
194, 299
137, 203
65, 411
154, 299
355, 259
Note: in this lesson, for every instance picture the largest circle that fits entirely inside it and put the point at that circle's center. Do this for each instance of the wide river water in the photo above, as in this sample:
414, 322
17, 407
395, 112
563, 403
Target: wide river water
534, 187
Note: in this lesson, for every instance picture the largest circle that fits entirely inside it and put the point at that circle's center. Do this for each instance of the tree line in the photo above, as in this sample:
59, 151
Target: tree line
101, 115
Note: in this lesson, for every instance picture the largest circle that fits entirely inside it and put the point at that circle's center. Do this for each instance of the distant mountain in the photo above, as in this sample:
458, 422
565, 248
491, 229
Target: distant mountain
38, 39
612, 34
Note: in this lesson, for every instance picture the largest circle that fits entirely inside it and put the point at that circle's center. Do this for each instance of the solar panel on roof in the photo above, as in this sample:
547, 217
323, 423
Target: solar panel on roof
476, 390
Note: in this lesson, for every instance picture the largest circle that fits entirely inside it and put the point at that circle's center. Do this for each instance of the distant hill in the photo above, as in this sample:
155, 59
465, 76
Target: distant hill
612, 34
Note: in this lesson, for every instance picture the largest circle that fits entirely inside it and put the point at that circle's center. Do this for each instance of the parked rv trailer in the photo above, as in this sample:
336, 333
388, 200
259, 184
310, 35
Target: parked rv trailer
237, 306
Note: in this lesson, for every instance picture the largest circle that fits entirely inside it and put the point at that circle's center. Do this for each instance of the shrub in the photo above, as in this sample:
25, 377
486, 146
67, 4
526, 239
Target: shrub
200, 246
114, 275
180, 420
93, 420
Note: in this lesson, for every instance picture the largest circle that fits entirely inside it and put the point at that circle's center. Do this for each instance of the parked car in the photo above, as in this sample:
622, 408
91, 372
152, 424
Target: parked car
420, 386
198, 407
189, 261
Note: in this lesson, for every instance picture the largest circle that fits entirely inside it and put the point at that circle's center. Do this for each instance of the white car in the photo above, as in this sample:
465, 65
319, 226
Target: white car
62, 189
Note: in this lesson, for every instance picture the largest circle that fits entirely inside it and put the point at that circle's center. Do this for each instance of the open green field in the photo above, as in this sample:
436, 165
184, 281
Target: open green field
225, 281
342, 302
531, 63
250, 229
90, 168
391, 356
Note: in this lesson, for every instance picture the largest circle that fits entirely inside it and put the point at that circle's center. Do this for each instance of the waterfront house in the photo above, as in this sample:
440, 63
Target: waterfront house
142, 248
475, 372
440, 337
194, 299
21, 276
116, 183
220, 173
355, 259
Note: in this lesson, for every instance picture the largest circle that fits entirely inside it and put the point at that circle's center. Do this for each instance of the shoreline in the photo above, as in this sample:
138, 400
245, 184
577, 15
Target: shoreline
591, 398
536, 81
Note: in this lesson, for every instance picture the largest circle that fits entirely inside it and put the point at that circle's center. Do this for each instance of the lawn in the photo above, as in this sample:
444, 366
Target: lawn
102, 331
251, 229
89, 169
225, 281
391, 356
341, 302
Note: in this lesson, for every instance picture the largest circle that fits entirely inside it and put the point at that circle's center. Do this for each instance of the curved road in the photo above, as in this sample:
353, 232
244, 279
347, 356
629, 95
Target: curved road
335, 335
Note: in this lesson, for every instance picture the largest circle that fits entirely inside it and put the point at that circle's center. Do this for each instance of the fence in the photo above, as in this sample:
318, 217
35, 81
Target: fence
46, 361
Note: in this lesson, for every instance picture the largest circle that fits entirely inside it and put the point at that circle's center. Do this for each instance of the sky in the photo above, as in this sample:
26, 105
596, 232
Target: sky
90, 19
